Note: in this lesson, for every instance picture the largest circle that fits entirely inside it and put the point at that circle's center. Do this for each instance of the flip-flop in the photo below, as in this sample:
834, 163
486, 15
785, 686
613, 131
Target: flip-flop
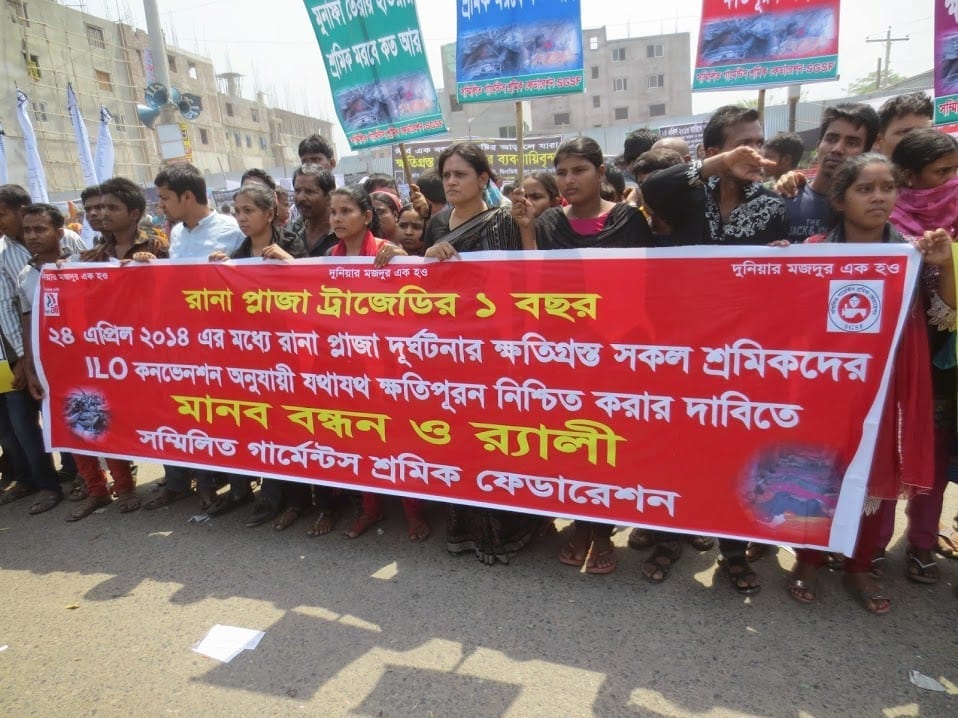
570, 555
46, 500
661, 560
743, 574
287, 518
948, 545
418, 530
873, 601
592, 564
325, 523
15, 492
362, 524
920, 572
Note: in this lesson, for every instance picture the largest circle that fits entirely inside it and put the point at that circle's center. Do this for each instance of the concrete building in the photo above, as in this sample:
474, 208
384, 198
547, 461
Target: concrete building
47, 45
629, 82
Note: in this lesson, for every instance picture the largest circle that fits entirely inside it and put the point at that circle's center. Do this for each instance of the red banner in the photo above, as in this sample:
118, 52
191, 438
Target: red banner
730, 392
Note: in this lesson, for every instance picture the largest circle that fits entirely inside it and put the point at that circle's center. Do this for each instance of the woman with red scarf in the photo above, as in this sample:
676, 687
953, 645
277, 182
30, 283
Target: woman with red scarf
352, 218
863, 191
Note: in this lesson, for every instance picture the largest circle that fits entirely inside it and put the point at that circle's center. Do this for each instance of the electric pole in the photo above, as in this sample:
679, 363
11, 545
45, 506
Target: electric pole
888, 40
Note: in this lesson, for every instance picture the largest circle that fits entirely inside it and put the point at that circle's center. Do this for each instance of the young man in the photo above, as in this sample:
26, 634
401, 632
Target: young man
43, 232
846, 130
317, 150
198, 230
20, 417
785, 149
719, 200
899, 116
122, 204
311, 187
92, 205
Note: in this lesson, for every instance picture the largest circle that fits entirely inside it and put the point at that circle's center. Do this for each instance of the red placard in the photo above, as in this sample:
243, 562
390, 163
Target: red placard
730, 392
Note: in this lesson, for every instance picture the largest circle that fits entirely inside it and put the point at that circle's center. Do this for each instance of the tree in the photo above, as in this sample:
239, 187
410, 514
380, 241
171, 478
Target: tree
868, 84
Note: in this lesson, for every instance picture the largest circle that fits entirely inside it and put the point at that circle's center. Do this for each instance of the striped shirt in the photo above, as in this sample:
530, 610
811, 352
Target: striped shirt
14, 256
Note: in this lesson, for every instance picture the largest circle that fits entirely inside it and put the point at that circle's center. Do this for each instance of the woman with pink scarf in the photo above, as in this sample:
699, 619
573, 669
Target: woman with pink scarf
928, 201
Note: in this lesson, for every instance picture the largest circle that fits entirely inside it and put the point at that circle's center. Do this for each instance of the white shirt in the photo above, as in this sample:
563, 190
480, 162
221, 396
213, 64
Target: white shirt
215, 233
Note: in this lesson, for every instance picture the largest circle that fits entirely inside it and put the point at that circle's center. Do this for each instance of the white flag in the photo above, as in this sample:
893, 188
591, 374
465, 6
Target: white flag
36, 178
3, 158
82, 138
103, 163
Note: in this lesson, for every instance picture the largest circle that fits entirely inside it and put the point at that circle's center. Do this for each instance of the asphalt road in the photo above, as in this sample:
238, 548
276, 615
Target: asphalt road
99, 618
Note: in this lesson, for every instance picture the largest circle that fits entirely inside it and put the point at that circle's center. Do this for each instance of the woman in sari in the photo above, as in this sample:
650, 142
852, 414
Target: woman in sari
863, 191
473, 223
588, 221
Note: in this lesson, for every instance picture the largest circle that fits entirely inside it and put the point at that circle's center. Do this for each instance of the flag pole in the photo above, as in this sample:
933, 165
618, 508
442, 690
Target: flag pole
521, 164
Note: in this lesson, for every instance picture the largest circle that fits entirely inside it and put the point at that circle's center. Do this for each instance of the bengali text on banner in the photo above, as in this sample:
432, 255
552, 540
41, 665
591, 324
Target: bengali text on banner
728, 391
764, 43
375, 59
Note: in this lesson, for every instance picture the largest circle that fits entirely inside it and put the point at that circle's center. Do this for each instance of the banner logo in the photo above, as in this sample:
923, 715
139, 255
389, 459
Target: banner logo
855, 306
51, 303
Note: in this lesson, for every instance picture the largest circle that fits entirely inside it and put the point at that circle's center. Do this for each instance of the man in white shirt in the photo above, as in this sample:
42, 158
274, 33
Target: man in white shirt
198, 229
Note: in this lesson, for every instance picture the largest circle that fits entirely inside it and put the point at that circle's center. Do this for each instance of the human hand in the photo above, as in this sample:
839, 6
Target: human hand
523, 213
274, 251
419, 202
746, 164
386, 253
442, 251
935, 247
219, 256
790, 184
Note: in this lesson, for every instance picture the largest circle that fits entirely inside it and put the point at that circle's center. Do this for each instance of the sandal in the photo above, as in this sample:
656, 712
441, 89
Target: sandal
418, 529
46, 500
16, 491
800, 585
91, 504
165, 498
324, 523
287, 518
867, 592
740, 575
878, 564
702, 543
576, 549
263, 512
657, 566
127, 502
834, 561
640, 539
224, 503
948, 545
78, 490
919, 571
362, 524
602, 561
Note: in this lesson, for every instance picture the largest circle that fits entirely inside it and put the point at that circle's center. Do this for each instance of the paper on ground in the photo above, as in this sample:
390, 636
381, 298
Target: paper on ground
224, 643
923, 681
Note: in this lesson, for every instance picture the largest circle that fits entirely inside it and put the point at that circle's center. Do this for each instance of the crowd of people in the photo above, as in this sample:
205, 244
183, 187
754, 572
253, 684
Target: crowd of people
878, 177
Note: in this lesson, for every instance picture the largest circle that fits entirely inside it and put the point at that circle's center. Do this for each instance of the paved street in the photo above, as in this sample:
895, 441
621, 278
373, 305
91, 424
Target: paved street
100, 616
